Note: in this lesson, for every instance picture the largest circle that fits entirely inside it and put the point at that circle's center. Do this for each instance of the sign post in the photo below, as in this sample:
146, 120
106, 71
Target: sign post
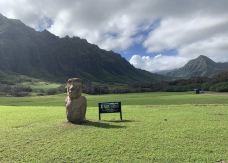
110, 107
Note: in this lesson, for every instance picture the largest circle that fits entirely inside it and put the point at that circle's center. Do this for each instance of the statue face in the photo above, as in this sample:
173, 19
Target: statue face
74, 89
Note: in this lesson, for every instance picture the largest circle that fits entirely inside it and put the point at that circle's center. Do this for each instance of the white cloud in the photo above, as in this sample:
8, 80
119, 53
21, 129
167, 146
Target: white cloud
157, 63
215, 47
191, 37
179, 32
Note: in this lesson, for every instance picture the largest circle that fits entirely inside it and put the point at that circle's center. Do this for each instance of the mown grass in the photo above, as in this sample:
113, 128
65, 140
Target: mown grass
158, 98
157, 127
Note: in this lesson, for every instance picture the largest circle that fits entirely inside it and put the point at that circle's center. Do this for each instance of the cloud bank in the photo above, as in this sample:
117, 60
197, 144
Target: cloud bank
189, 27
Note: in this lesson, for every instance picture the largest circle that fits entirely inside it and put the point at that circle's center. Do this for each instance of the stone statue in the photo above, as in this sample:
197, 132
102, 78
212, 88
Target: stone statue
75, 103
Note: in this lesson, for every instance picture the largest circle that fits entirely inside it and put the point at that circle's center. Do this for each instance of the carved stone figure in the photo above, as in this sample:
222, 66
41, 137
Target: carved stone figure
75, 103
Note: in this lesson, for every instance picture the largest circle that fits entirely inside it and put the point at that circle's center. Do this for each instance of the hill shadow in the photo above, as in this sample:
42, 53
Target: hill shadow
101, 125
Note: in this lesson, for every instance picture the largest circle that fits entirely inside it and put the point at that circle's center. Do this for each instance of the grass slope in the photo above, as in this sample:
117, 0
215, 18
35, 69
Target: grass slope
158, 127
38, 86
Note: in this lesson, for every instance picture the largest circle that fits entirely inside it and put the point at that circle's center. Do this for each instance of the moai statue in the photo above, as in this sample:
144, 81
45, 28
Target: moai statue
75, 103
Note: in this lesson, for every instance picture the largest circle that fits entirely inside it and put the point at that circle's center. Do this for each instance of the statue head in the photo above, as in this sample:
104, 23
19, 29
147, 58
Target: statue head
74, 88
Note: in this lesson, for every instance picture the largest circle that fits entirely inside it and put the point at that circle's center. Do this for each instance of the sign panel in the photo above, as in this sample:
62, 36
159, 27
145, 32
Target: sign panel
110, 107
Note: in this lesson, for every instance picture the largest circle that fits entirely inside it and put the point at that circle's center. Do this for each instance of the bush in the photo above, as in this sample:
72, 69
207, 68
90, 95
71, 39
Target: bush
54, 91
220, 87
20, 91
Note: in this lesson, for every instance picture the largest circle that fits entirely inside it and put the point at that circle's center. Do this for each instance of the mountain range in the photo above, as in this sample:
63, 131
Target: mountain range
201, 66
43, 55
26, 51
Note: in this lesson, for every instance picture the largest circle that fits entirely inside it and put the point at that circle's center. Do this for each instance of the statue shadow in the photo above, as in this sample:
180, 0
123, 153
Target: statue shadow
101, 125
120, 121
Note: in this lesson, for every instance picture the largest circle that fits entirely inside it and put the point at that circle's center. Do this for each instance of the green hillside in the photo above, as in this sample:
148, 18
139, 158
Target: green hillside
45, 56
202, 66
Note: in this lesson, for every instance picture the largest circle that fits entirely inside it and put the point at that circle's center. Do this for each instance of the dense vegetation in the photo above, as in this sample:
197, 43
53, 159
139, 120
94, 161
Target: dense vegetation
218, 83
19, 85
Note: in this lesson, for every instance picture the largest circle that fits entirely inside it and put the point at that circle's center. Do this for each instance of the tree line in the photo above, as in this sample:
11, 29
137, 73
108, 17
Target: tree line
218, 83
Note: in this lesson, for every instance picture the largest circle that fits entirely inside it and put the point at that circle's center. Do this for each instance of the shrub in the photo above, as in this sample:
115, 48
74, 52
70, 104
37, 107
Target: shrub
54, 91
220, 87
20, 91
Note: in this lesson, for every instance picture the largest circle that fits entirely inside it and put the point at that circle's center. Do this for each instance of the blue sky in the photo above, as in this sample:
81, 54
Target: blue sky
154, 35
138, 48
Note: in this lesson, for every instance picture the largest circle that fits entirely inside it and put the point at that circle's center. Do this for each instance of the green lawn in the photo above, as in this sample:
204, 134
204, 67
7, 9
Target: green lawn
158, 98
157, 127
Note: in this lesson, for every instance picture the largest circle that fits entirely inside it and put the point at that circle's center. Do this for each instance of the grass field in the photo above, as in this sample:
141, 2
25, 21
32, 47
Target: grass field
157, 127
